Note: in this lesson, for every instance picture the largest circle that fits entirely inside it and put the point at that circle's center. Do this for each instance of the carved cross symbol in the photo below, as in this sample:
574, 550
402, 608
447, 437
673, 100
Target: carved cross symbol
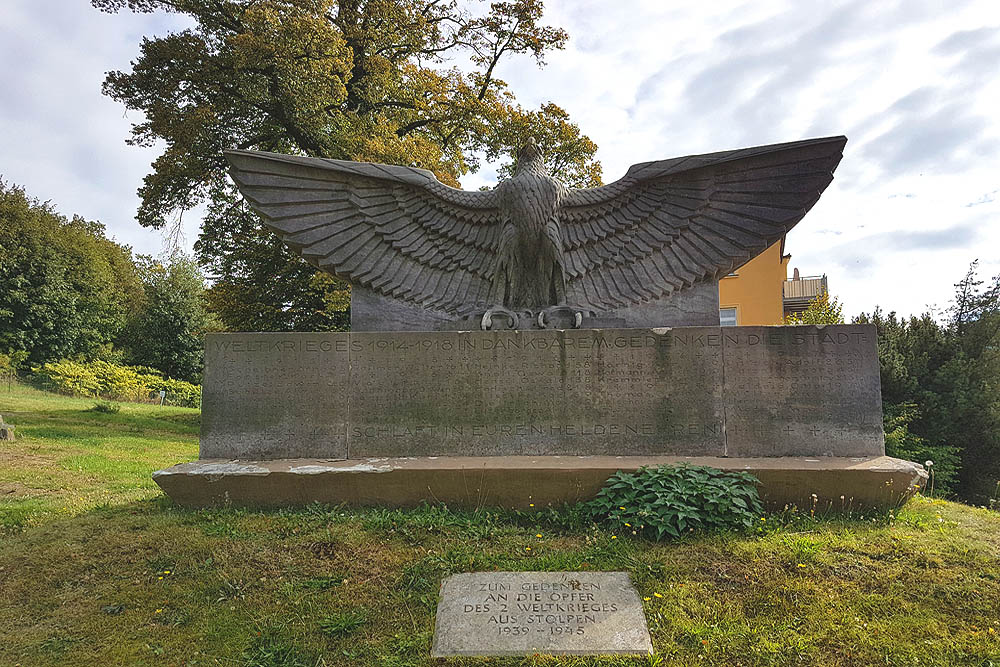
788, 430
815, 430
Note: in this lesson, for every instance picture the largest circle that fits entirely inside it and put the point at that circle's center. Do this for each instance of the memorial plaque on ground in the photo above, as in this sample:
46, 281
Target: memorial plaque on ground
705, 391
522, 613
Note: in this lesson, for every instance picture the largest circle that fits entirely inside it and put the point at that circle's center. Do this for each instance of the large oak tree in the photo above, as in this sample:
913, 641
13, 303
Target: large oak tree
397, 81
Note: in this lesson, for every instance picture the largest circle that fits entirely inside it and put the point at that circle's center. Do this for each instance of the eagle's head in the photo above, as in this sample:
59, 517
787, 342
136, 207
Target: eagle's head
530, 158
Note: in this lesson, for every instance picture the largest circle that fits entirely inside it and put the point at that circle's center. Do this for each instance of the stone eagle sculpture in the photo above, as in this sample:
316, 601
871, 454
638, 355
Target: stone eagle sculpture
532, 245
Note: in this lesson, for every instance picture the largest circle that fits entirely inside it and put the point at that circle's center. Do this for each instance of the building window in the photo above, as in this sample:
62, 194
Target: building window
727, 317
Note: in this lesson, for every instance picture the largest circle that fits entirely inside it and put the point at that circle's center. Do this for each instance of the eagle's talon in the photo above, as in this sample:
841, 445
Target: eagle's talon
486, 324
575, 311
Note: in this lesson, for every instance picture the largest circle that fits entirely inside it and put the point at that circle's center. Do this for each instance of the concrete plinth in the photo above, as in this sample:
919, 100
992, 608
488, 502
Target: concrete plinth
519, 481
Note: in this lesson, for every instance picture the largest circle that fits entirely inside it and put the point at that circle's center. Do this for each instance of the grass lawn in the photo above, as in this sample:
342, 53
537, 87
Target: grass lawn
98, 568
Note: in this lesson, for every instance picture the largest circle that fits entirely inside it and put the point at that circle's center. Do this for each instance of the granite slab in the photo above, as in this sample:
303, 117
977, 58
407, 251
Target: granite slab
552, 613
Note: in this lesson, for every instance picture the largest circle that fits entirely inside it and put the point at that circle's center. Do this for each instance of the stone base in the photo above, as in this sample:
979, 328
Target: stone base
696, 306
521, 481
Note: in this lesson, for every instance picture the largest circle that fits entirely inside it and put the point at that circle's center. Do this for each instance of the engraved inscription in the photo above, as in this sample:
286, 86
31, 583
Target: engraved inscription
745, 391
505, 613
535, 392
802, 391
556, 608
268, 396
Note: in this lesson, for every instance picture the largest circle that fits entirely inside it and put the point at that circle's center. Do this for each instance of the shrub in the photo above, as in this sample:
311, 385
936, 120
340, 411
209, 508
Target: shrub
67, 377
106, 380
179, 392
106, 407
903, 443
673, 500
120, 382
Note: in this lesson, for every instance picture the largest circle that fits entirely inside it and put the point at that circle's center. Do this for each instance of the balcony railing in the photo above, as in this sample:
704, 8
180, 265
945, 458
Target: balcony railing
796, 294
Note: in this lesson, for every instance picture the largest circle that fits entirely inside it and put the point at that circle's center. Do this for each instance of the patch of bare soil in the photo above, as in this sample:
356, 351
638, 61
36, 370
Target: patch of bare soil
15, 458
12, 458
11, 490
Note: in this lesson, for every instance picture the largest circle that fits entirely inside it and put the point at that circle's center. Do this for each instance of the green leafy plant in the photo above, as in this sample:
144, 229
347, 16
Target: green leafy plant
106, 407
824, 309
342, 623
674, 500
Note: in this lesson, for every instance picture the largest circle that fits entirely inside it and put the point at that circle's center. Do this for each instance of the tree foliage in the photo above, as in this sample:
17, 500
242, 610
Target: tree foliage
68, 292
941, 388
166, 331
370, 80
67, 289
821, 310
260, 285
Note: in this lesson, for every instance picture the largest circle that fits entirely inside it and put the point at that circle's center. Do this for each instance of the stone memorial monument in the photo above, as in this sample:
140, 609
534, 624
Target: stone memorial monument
522, 344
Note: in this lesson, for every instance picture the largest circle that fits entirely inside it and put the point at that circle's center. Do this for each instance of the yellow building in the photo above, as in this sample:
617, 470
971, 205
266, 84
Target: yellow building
760, 293
752, 295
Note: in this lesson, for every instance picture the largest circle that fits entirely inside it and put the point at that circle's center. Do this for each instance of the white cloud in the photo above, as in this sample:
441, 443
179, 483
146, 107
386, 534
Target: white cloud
912, 83
61, 138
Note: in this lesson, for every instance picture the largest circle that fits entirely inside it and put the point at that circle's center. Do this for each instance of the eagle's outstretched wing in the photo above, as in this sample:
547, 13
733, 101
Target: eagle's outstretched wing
396, 230
669, 224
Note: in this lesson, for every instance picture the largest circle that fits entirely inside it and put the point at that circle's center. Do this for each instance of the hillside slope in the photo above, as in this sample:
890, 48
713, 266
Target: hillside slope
96, 567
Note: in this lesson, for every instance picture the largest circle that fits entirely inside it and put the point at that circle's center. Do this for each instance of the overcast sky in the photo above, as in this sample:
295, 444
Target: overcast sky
912, 83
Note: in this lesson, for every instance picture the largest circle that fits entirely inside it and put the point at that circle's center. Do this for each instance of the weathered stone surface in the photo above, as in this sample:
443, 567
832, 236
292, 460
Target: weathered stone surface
555, 613
689, 391
6, 430
518, 481
802, 391
622, 391
531, 243
371, 311
696, 306
274, 395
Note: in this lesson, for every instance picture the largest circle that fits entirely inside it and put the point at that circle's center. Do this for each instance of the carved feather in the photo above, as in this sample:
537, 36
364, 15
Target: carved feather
669, 224
397, 230
663, 227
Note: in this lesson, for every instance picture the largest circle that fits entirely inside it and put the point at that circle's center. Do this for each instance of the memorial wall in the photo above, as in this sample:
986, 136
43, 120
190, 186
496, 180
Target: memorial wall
707, 391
